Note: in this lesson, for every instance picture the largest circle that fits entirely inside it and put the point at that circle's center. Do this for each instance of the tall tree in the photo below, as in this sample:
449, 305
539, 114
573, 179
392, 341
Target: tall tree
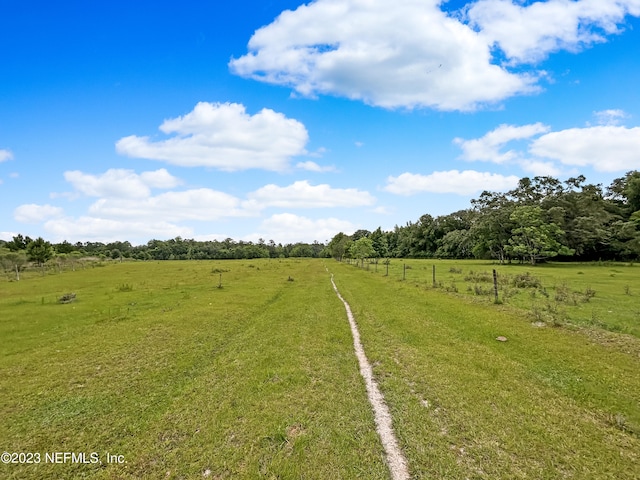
339, 245
39, 251
492, 227
362, 248
534, 238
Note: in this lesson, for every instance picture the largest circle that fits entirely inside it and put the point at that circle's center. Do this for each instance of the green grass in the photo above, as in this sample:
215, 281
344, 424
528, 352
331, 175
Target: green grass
255, 379
258, 379
548, 403
562, 297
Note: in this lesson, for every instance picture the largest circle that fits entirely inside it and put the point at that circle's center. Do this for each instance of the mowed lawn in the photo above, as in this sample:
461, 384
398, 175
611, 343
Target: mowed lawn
550, 402
183, 379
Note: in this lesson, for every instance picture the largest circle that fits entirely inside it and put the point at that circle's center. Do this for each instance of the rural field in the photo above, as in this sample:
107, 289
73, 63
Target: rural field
246, 369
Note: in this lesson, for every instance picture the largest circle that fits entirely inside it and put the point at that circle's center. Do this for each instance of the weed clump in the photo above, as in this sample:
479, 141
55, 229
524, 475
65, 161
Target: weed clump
589, 293
478, 277
526, 280
66, 298
125, 287
480, 290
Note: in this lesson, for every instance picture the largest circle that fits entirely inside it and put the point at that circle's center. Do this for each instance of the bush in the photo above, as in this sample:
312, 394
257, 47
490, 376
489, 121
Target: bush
479, 277
526, 280
67, 298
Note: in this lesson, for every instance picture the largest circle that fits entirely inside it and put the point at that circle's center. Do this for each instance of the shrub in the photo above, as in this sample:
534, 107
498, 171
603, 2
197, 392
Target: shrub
526, 280
66, 298
479, 277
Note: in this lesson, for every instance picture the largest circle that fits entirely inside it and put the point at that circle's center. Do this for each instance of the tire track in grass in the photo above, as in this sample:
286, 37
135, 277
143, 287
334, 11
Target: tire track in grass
395, 458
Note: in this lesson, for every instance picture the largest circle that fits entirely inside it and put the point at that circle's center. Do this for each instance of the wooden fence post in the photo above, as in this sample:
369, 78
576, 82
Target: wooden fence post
495, 285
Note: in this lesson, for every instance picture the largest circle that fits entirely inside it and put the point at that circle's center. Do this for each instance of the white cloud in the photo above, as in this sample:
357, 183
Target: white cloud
290, 228
382, 210
88, 228
487, 148
303, 195
223, 136
605, 148
32, 213
8, 236
610, 117
5, 155
314, 167
406, 53
528, 33
540, 168
200, 204
467, 182
120, 183
409, 53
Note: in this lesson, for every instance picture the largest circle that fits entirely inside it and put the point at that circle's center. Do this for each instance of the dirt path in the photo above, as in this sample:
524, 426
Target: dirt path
395, 459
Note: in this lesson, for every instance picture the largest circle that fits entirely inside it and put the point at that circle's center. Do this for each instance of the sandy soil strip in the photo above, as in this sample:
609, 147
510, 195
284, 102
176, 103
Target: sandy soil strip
395, 459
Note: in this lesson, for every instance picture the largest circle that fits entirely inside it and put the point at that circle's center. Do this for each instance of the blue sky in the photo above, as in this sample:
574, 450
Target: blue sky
292, 122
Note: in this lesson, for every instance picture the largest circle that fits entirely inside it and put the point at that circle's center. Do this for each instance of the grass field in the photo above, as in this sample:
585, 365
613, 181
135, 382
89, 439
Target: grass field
183, 379
258, 379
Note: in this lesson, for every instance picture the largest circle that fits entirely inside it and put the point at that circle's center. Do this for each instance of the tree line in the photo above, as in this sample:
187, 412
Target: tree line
541, 218
22, 251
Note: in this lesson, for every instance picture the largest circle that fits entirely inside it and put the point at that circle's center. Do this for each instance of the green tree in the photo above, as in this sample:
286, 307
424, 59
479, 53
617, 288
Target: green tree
625, 191
13, 261
533, 238
339, 246
362, 248
492, 228
39, 251
18, 242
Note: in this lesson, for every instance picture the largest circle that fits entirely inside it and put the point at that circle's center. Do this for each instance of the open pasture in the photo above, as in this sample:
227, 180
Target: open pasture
604, 294
154, 362
258, 379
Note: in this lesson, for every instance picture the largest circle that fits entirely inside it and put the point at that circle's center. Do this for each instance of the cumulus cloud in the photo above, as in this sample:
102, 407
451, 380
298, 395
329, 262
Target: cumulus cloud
86, 228
540, 168
605, 148
528, 33
200, 204
301, 194
33, 213
406, 53
466, 182
120, 183
127, 208
487, 148
223, 136
290, 228
5, 155
409, 53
